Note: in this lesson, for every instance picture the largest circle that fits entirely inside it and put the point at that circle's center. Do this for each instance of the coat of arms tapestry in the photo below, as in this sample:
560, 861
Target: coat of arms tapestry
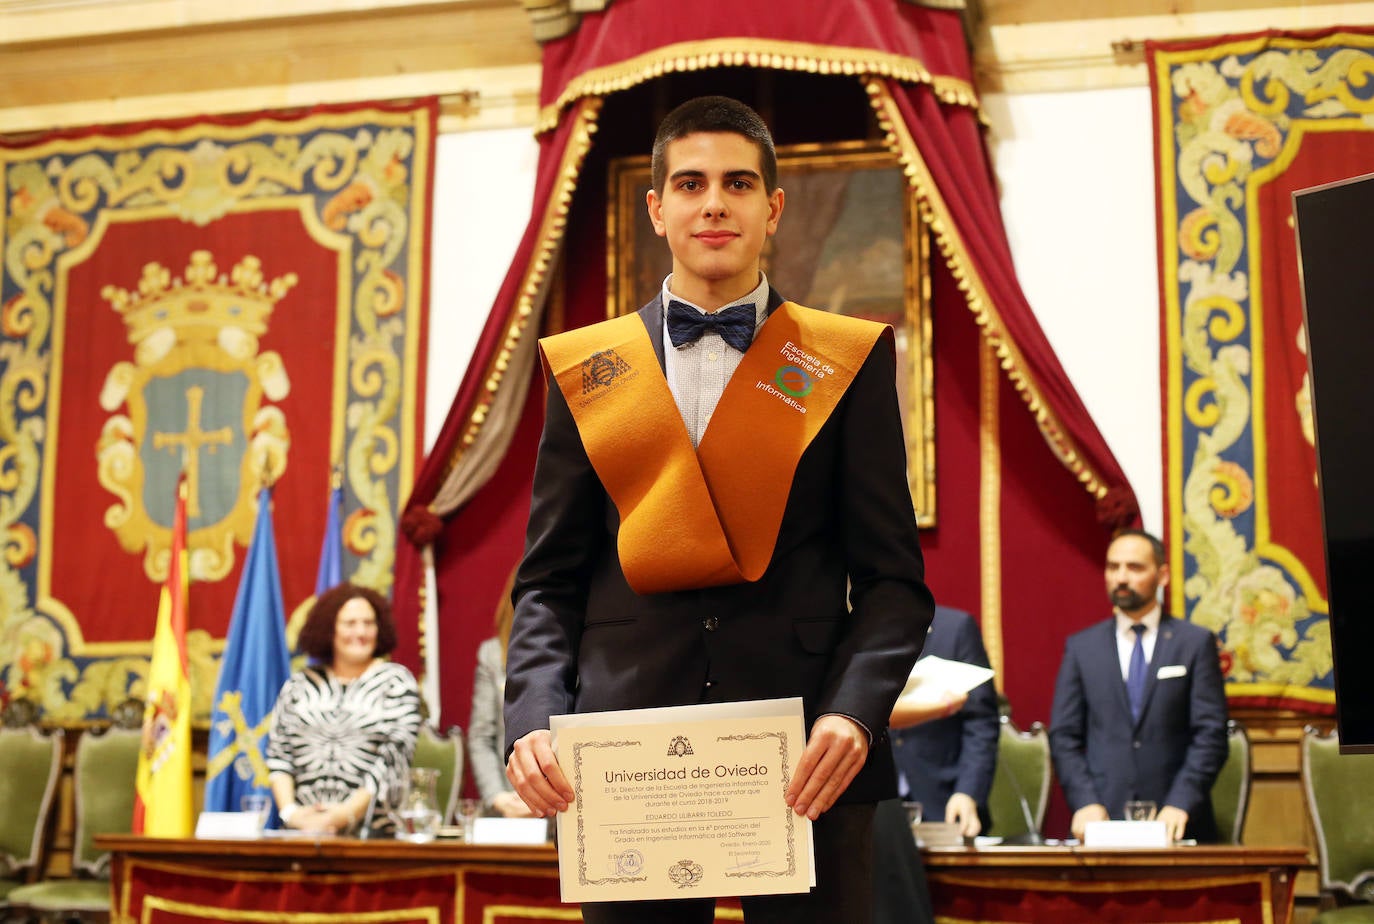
241, 299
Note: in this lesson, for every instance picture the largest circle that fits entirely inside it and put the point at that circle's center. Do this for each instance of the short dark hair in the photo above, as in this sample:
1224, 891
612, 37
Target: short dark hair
1156, 546
714, 114
316, 638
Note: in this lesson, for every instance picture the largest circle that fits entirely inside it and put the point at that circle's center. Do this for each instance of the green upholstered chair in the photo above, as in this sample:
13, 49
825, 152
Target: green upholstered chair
1021, 782
1337, 788
104, 803
1231, 791
30, 768
445, 754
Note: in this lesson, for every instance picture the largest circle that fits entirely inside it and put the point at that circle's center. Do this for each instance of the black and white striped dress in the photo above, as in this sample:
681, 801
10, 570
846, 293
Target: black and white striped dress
334, 737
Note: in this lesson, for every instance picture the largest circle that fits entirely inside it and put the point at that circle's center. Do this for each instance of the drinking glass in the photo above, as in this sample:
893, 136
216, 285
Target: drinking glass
1140, 810
413, 806
259, 804
469, 810
913, 815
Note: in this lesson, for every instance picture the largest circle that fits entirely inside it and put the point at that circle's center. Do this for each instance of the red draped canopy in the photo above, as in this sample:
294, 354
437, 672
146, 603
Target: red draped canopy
1027, 488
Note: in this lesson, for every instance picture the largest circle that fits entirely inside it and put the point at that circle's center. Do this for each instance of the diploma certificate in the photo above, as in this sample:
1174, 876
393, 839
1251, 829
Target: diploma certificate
683, 802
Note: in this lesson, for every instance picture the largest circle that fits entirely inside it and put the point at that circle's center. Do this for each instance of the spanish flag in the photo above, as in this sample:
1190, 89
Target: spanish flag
162, 803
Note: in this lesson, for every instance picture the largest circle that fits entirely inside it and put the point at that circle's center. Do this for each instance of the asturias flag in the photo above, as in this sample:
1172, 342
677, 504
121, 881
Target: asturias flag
330, 571
162, 802
255, 665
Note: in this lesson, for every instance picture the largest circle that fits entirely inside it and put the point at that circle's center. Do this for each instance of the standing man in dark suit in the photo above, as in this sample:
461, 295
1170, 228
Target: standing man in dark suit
773, 553
1139, 706
947, 763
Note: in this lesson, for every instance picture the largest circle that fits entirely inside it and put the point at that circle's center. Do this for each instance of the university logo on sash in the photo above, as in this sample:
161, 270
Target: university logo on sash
601, 369
197, 396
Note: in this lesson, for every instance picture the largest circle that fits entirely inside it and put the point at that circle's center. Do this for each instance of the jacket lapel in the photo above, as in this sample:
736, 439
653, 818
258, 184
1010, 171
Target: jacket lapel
1163, 654
652, 315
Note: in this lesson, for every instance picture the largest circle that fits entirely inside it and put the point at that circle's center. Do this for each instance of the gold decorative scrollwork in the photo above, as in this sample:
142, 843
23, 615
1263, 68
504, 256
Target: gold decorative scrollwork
1234, 108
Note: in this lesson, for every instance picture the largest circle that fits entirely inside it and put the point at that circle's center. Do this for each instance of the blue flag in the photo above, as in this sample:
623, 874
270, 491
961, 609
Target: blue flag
255, 665
330, 571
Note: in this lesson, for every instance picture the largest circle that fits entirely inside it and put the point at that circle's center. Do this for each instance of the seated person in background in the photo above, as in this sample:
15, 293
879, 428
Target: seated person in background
343, 729
487, 726
1139, 707
945, 755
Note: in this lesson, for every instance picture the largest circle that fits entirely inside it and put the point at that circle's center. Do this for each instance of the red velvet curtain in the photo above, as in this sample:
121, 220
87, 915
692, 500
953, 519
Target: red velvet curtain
473, 529
1030, 561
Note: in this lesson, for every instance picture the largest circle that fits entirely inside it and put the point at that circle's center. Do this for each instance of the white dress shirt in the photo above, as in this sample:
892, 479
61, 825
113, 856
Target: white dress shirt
1125, 638
698, 372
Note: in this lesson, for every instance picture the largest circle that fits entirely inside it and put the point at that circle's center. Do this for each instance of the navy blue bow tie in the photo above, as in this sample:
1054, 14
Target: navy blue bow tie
734, 324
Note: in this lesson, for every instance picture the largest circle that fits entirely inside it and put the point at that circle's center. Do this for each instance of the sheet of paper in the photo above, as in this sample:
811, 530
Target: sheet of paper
223, 825
509, 831
682, 802
933, 677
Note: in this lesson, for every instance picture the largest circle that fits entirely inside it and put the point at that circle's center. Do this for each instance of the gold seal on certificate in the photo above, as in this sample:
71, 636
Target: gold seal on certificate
682, 802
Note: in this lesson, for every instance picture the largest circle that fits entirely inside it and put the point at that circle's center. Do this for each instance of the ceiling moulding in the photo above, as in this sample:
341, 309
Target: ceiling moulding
1031, 46
507, 98
25, 21
553, 19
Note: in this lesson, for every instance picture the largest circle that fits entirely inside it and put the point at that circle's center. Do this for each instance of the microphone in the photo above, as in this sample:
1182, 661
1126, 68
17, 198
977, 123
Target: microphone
1032, 836
365, 830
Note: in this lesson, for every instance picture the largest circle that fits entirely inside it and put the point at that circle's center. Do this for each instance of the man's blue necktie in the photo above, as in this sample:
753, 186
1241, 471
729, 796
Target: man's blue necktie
1135, 673
734, 324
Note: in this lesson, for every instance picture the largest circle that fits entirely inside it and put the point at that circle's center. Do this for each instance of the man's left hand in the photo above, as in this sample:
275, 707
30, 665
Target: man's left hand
963, 811
1175, 822
834, 754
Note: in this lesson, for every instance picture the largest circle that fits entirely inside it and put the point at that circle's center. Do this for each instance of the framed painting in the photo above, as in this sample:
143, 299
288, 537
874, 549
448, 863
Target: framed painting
850, 242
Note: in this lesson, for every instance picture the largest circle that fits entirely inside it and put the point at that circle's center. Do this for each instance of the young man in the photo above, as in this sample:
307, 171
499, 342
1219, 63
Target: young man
770, 554
1139, 707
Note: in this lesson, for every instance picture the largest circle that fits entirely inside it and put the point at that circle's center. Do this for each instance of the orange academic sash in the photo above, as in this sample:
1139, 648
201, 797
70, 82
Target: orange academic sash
700, 519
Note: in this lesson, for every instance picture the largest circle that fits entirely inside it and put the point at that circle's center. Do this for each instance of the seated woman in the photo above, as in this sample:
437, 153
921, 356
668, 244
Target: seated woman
486, 729
343, 729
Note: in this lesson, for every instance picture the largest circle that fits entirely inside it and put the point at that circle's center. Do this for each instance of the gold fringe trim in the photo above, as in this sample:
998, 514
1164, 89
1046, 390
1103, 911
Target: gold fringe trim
550, 234
422, 639
990, 510
753, 52
936, 215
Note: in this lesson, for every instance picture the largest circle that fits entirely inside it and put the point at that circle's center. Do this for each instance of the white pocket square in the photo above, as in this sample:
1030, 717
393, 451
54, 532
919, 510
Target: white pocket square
1172, 670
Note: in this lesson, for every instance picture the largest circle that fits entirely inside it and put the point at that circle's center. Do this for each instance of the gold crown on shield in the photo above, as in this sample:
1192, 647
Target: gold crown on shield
203, 302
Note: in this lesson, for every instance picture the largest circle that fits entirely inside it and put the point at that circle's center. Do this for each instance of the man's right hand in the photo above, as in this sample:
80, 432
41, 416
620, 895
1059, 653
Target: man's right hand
1094, 812
534, 772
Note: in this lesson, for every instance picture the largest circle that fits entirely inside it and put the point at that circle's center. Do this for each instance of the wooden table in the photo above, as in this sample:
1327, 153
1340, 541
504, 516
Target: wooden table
329, 880
1068, 884
168, 881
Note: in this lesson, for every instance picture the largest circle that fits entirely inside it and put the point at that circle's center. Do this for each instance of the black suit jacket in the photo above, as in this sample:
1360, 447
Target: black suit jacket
583, 641
957, 754
1172, 755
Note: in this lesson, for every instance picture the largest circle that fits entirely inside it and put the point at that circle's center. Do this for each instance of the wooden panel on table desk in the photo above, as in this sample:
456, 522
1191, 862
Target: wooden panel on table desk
1123, 857
321, 853
971, 878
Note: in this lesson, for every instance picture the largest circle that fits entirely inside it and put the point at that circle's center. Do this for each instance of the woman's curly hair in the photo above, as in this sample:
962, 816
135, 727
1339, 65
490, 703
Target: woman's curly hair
317, 635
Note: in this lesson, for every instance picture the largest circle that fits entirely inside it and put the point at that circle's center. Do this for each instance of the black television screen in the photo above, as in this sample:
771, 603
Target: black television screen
1336, 256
